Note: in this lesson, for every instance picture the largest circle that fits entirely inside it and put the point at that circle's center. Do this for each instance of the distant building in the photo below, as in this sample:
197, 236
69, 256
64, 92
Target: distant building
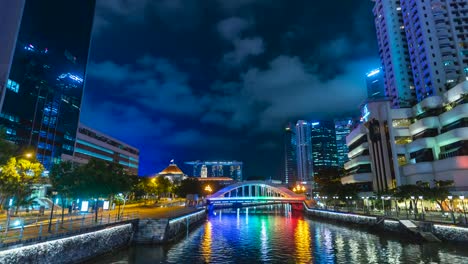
44, 88
323, 142
220, 180
375, 84
91, 143
204, 171
304, 151
231, 169
173, 173
290, 160
342, 129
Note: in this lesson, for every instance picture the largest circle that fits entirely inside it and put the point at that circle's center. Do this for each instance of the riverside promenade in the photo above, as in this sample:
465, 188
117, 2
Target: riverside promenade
27, 229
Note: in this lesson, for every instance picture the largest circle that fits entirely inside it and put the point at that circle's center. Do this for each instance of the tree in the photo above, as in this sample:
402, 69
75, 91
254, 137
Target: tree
188, 186
7, 148
17, 177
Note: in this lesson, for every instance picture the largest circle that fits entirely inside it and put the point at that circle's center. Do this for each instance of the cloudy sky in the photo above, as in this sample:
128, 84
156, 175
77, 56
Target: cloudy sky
219, 79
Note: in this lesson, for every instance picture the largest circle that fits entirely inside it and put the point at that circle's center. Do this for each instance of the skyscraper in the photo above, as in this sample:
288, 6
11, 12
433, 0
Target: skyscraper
375, 84
437, 43
290, 160
304, 151
393, 51
10, 19
45, 86
342, 129
323, 141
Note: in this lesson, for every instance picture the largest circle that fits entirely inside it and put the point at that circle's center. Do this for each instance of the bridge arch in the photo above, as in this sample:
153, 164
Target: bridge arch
254, 192
253, 189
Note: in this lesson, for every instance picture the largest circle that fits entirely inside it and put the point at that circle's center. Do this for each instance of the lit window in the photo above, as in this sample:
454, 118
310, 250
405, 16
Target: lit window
13, 86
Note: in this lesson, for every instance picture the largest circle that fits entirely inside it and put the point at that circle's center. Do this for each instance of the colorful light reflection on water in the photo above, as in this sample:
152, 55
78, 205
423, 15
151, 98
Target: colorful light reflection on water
278, 235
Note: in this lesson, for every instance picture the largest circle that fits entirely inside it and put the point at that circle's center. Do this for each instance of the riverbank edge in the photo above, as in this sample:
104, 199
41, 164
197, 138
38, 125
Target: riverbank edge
90, 245
446, 233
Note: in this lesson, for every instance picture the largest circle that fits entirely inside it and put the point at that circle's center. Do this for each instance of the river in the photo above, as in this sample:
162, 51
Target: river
275, 234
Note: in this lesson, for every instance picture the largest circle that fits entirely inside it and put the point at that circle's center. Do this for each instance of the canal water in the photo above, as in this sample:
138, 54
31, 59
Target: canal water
275, 234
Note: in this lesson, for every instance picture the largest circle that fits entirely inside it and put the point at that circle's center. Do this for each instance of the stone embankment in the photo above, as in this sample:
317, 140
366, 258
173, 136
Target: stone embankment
79, 248
426, 231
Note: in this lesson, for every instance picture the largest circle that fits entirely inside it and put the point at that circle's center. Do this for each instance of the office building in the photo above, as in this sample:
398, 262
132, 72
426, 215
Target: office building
10, 19
342, 129
304, 152
393, 52
437, 38
43, 94
323, 142
375, 84
91, 143
290, 161
427, 142
231, 169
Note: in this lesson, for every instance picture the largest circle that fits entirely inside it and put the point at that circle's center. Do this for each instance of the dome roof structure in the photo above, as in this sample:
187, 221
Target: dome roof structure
171, 169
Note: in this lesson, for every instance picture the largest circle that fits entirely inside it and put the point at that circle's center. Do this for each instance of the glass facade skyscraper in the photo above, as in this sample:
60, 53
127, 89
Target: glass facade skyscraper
323, 141
290, 160
342, 129
304, 151
375, 84
45, 86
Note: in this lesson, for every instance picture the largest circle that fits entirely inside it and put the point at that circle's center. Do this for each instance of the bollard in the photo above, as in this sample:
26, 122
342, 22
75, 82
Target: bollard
40, 231
21, 232
82, 222
71, 223
108, 218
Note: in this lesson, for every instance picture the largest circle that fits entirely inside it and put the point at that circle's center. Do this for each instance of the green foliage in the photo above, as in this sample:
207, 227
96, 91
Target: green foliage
7, 148
188, 186
96, 179
17, 177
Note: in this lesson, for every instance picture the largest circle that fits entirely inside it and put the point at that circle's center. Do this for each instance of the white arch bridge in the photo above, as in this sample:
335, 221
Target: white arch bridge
253, 192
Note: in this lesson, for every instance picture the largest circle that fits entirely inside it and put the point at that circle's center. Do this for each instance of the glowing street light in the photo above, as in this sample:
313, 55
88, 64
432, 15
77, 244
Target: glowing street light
208, 188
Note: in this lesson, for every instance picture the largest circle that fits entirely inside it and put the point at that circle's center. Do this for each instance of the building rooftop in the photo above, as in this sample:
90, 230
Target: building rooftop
171, 169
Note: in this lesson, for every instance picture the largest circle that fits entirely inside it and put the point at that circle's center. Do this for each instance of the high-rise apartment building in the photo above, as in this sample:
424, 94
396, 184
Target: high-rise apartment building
342, 129
394, 53
425, 141
323, 142
45, 85
304, 151
375, 84
437, 37
290, 160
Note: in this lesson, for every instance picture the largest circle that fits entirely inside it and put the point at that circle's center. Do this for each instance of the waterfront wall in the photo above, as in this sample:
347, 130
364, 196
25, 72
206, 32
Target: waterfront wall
155, 231
442, 232
71, 249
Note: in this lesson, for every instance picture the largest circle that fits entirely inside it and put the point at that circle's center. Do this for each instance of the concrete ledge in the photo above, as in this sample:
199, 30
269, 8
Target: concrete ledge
71, 249
451, 233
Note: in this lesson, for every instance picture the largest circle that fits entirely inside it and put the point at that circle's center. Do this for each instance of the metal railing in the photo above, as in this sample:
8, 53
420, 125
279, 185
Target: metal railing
45, 230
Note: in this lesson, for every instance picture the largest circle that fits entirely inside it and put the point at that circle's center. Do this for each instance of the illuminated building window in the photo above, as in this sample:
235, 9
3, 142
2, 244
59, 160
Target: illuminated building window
404, 122
13, 86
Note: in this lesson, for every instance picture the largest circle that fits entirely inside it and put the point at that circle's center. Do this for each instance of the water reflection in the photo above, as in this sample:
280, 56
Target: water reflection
274, 235
302, 242
206, 242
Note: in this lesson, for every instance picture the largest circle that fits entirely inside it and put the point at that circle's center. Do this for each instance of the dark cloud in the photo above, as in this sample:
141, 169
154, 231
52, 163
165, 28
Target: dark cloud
217, 79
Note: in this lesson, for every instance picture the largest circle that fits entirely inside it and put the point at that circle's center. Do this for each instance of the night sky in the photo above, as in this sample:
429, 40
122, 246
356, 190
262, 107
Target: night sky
219, 79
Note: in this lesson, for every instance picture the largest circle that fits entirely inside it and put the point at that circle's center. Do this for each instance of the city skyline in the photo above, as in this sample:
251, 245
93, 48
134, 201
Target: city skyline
222, 84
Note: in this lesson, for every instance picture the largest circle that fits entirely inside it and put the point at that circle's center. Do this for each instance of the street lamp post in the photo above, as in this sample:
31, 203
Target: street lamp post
462, 198
422, 207
383, 204
51, 211
450, 197
412, 201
